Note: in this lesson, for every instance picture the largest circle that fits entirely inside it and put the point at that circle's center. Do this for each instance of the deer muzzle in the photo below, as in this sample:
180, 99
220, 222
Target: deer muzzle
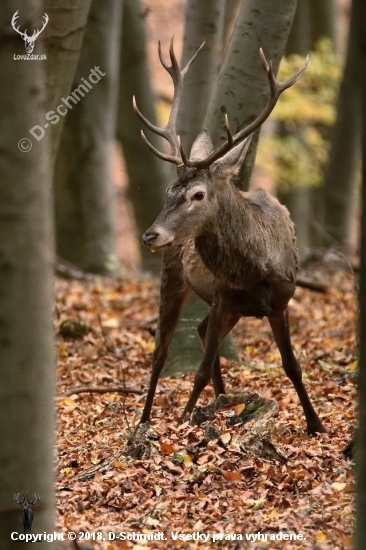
156, 240
149, 238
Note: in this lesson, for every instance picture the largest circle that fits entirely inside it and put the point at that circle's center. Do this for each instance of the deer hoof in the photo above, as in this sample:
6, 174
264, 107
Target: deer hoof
316, 427
184, 418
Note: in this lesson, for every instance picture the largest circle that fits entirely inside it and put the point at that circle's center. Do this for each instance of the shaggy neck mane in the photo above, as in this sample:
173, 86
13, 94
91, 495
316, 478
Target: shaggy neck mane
225, 237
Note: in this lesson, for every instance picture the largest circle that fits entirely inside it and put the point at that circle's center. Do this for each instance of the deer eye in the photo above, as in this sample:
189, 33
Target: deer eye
198, 196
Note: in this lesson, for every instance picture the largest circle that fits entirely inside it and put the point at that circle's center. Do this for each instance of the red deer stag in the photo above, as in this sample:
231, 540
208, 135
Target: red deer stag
236, 250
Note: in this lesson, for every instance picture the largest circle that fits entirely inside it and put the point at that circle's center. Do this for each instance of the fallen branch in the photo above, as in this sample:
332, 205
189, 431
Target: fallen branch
311, 284
67, 270
110, 389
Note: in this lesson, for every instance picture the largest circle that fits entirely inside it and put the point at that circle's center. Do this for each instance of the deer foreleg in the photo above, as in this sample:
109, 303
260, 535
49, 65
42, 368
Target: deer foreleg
174, 293
281, 332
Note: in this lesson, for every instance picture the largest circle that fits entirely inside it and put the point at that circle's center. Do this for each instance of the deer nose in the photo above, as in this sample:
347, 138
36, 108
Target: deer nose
150, 238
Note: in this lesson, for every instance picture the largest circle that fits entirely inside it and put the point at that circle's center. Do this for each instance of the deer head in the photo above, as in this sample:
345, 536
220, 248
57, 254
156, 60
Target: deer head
190, 198
25, 500
29, 41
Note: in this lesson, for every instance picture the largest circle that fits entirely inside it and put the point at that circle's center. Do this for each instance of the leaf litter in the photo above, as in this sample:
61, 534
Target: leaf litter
183, 485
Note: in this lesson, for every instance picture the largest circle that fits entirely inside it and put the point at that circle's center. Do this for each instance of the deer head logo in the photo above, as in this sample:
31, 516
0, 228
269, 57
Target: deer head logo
25, 501
29, 41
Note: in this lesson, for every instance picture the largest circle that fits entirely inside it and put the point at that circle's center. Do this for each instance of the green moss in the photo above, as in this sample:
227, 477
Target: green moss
74, 329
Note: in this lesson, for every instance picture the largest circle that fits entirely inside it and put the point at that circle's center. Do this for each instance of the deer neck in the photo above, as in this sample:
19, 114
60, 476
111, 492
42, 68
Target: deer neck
225, 235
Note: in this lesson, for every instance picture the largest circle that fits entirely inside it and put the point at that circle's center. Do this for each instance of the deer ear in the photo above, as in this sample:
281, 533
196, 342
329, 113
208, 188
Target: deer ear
202, 146
232, 161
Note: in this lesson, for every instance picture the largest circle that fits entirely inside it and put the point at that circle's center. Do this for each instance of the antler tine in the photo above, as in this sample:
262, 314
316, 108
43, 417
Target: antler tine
291, 81
13, 23
34, 499
182, 152
163, 156
148, 124
276, 88
19, 497
189, 63
37, 33
230, 138
169, 132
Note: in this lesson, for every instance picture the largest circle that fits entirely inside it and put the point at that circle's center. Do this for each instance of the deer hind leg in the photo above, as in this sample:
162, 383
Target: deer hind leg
219, 324
217, 380
174, 293
281, 332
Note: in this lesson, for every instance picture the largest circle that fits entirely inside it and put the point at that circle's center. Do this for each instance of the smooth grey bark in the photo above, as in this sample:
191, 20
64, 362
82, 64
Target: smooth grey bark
63, 37
232, 8
298, 200
313, 20
26, 262
204, 23
342, 168
242, 89
85, 229
299, 40
323, 20
146, 173
358, 18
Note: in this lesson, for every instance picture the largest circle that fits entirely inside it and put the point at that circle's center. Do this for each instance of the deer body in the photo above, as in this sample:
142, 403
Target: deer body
241, 253
236, 250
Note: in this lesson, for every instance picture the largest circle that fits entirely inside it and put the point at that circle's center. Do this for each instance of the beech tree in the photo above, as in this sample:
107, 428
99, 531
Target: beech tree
342, 168
26, 262
359, 28
85, 230
242, 87
146, 173
62, 37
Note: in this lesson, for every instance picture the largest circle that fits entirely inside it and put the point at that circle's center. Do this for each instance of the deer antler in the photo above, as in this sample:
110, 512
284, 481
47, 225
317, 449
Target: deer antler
276, 89
23, 499
37, 33
13, 23
24, 34
169, 132
19, 498
33, 499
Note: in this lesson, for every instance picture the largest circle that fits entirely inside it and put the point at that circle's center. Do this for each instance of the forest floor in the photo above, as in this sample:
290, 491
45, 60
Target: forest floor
214, 490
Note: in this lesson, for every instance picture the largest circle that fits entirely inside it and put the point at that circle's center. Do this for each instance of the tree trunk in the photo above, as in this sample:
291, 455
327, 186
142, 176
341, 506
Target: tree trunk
342, 168
299, 40
63, 37
313, 20
323, 20
232, 8
85, 231
26, 261
298, 201
204, 23
146, 173
358, 27
242, 89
